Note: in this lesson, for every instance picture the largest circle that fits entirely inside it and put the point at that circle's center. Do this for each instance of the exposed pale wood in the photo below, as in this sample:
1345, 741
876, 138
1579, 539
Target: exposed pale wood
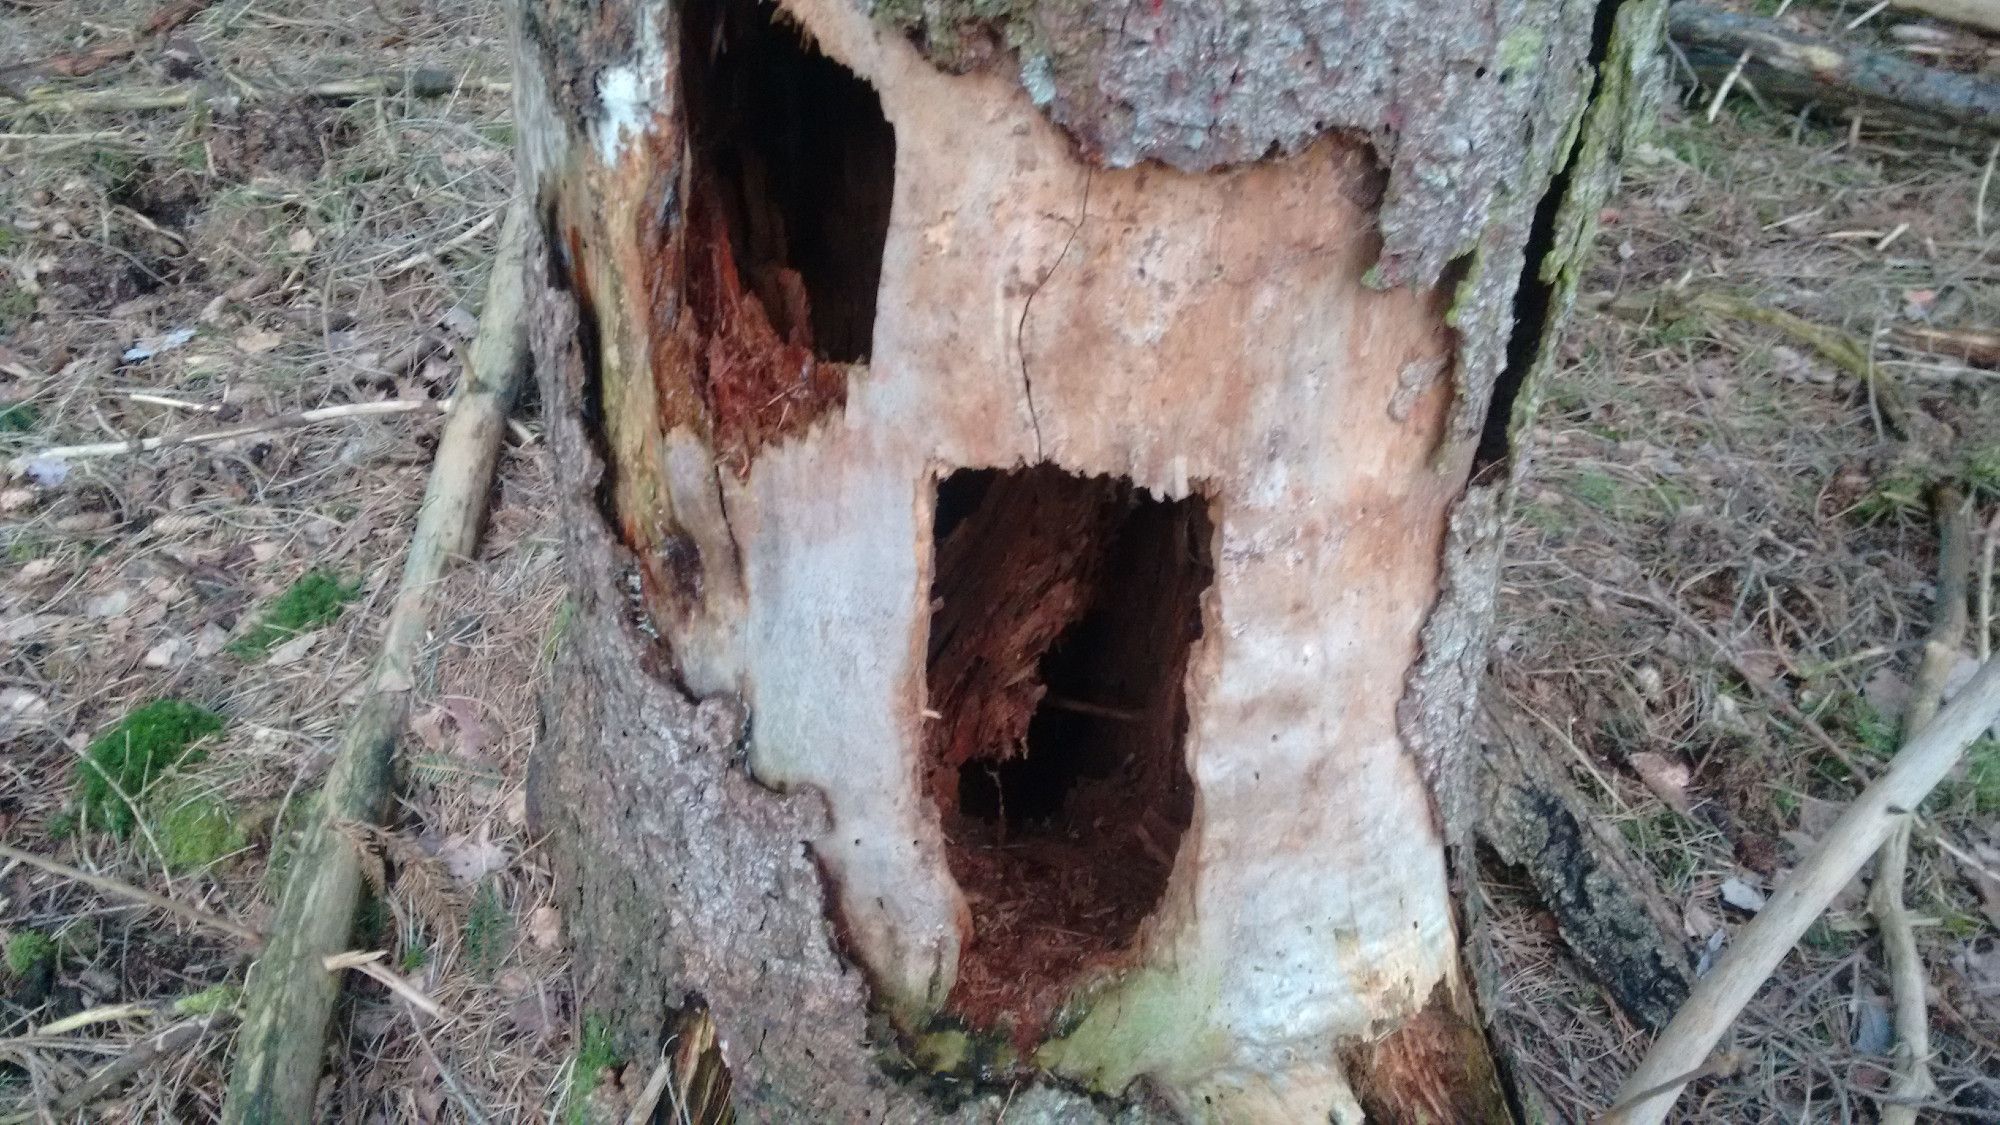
1218, 295
290, 993
1650, 1090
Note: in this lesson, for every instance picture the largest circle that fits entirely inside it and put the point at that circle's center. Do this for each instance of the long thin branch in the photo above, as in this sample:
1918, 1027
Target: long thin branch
289, 997
237, 930
96, 449
1650, 1090
1908, 983
421, 83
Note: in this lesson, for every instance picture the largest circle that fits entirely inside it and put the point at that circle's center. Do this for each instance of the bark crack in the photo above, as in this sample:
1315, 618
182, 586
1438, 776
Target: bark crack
1021, 326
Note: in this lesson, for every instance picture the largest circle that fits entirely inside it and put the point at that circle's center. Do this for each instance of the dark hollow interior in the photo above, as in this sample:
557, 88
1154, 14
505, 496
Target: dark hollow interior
1064, 609
792, 148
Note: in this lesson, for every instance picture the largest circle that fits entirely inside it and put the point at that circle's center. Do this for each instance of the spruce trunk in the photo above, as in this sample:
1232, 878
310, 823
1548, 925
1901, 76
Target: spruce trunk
1030, 478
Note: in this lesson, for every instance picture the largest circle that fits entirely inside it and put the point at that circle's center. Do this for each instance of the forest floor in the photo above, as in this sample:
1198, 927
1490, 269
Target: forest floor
194, 620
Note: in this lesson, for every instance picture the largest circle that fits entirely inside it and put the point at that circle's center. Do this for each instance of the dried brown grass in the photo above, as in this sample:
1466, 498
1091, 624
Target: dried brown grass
269, 228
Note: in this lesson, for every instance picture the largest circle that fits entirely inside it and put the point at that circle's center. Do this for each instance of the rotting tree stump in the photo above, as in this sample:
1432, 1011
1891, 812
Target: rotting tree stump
1030, 480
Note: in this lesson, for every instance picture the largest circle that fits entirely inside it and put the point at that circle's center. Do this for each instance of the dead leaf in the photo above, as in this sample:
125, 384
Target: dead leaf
292, 651
1873, 1034
301, 241
1741, 895
21, 709
1710, 951
165, 654
210, 640
472, 732
1698, 923
257, 341
472, 858
429, 729
1886, 691
1667, 777
544, 927
109, 604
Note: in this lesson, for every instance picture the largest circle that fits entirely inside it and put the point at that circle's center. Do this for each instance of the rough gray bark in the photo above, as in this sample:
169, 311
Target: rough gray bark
689, 881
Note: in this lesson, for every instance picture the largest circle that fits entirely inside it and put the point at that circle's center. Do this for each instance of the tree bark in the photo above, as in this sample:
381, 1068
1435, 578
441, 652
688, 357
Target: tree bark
1030, 485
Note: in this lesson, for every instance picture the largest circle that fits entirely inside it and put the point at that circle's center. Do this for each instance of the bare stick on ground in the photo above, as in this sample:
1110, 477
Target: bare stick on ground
1794, 67
422, 83
213, 437
1650, 1090
1830, 344
143, 1054
290, 993
236, 930
1885, 898
1982, 14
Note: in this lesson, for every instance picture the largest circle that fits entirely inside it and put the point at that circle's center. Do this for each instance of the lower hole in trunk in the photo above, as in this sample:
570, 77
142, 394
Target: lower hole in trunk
1063, 612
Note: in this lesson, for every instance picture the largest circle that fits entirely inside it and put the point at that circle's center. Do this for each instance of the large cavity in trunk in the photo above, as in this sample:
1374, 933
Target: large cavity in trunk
791, 175
792, 152
1063, 611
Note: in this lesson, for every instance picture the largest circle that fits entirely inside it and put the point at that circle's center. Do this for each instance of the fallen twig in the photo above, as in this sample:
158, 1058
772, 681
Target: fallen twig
1788, 64
164, 19
424, 83
141, 1055
113, 887
88, 451
1649, 1091
1836, 347
289, 998
1982, 14
453, 243
368, 964
1908, 984
1980, 349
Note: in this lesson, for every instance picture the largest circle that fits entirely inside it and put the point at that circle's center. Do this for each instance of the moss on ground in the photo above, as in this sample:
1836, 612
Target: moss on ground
315, 599
215, 998
21, 417
595, 1053
195, 829
29, 950
126, 759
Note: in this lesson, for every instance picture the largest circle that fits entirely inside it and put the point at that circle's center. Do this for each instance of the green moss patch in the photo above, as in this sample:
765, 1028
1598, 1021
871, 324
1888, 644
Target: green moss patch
125, 760
215, 998
315, 599
594, 1055
29, 950
195, 829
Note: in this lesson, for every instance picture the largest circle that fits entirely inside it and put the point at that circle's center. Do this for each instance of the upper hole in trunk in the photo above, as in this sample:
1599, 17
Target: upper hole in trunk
792, 151
1063, 612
